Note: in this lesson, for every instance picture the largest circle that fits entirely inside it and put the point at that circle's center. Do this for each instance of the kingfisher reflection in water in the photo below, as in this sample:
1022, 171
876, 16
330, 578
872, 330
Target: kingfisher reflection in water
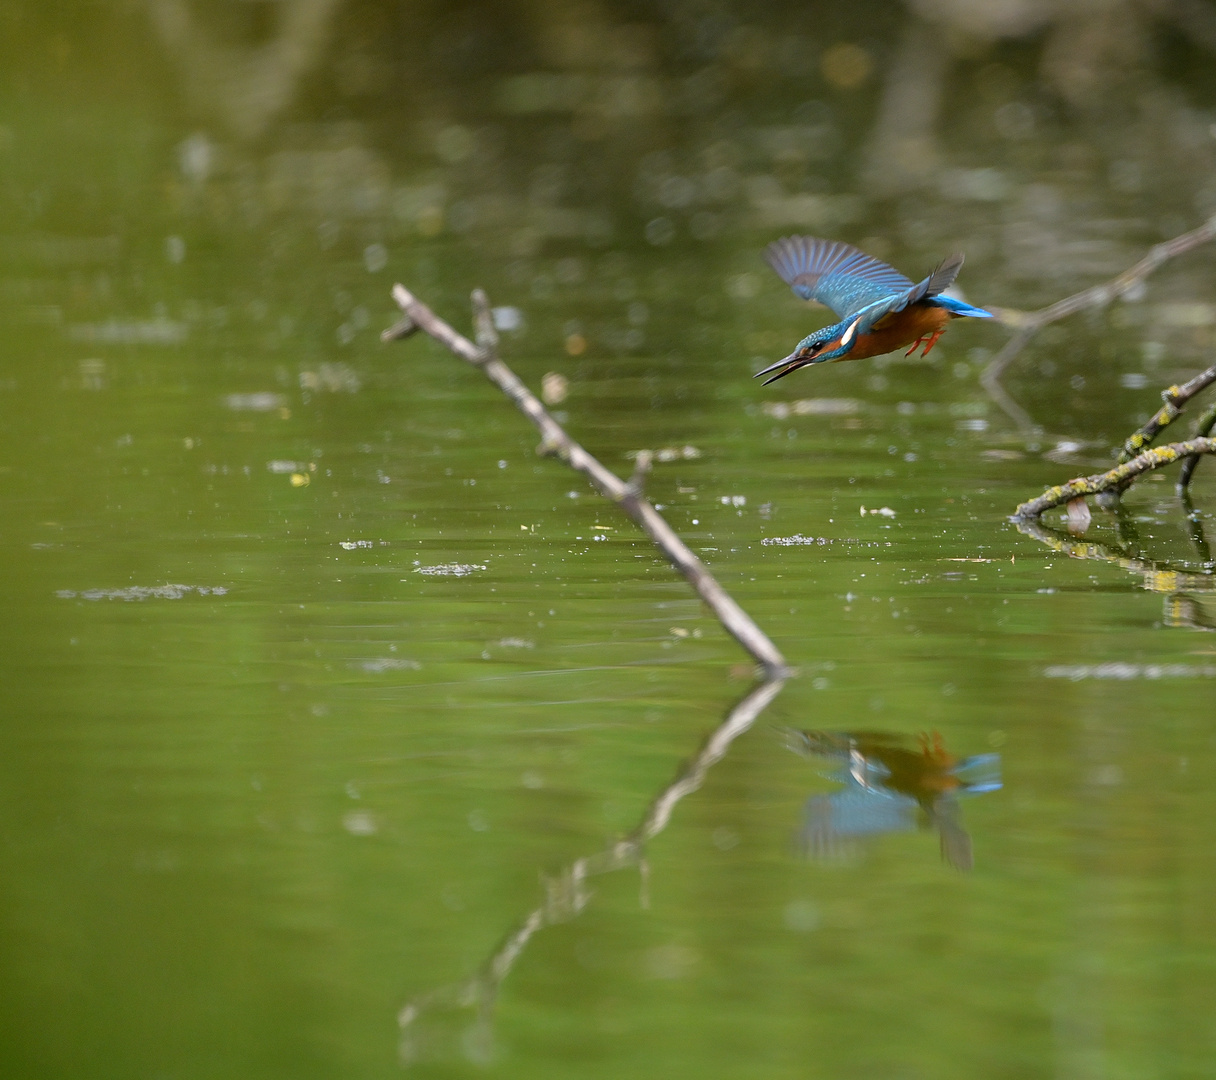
892, 784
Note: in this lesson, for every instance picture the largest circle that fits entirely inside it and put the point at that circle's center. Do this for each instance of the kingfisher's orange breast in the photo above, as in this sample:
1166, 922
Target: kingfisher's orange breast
896, 330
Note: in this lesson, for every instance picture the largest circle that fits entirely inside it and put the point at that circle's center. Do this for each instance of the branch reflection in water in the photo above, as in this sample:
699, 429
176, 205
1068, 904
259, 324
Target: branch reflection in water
1174, 583
567, 895
890, 785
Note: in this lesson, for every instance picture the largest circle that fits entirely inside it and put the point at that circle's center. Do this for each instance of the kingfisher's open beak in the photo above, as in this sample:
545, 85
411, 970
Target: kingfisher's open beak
783, 367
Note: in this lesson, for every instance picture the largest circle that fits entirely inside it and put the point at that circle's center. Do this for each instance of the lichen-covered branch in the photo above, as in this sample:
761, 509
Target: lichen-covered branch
1113, 479
1175, 397
1028, 323
1134, 457
568, 893
1202, 428
556, 442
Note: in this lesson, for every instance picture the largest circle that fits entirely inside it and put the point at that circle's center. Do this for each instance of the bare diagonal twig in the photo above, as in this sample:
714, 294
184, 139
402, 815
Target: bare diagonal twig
556, 442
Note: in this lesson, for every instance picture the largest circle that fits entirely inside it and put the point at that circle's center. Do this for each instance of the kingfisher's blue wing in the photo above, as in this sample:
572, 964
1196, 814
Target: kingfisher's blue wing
863, 320
836, 274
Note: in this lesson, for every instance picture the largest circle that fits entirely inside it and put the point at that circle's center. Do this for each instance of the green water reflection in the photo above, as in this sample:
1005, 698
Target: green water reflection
313, 674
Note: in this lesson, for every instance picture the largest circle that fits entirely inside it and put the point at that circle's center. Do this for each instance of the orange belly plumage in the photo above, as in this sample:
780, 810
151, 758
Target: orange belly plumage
896, 330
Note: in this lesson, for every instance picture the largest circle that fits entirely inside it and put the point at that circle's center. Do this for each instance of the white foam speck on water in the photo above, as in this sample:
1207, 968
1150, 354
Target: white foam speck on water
262, 401
142, 592
667, 453
798, 540
783, 410
453, 569
159, 331
1123, 671
334, 378
388, 664
360, 823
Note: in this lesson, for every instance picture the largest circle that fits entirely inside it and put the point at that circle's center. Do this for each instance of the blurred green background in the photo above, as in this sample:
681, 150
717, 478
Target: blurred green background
312, 673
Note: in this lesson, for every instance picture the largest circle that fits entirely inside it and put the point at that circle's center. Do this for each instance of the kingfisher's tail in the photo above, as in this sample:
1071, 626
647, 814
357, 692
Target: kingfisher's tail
957, 307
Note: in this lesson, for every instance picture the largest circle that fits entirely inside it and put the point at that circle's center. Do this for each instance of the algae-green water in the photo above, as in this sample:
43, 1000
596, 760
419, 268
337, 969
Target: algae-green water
316, 681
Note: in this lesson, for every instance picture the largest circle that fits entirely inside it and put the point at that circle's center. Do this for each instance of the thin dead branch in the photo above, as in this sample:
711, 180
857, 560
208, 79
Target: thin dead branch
1028, 323
641, 467
555, 442
402, 328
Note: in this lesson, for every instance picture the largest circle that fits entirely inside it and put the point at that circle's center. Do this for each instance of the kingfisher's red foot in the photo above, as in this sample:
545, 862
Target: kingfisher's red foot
915, 345
932, 745
932, 341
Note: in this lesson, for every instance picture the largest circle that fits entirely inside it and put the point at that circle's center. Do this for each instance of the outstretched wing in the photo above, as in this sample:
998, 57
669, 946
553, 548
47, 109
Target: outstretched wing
863, 319
836, 274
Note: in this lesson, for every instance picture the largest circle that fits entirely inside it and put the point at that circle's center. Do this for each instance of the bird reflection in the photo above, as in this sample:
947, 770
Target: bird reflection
892, 784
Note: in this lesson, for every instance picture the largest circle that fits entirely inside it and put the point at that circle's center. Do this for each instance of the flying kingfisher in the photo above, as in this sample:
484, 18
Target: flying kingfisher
880, 310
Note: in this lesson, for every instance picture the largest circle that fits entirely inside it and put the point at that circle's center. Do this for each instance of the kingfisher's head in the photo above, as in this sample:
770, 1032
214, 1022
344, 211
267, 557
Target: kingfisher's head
822, 345
809, 348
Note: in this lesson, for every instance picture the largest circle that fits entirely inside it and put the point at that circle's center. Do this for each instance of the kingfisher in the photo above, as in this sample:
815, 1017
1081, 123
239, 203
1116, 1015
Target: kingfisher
880, 310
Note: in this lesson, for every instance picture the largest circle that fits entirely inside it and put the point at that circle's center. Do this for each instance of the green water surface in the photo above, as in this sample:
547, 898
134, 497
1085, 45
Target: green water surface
315, 680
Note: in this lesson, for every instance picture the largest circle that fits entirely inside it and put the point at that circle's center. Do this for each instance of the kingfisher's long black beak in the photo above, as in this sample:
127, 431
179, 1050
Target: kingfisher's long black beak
783, 367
